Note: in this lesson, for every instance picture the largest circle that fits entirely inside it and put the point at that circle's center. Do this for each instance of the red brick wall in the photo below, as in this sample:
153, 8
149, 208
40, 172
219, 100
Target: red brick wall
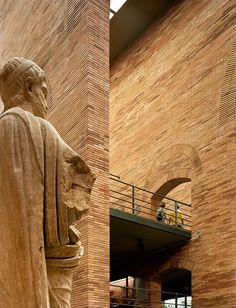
69, 39
165, 105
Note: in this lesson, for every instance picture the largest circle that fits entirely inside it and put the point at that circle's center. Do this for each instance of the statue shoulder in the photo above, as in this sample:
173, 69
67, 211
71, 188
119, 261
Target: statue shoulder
47, 127
15, 113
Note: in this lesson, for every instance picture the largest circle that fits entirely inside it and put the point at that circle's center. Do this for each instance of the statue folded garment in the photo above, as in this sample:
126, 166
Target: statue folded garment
44, 188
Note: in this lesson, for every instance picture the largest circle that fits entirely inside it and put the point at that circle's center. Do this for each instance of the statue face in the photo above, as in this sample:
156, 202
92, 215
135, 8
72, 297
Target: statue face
39, 96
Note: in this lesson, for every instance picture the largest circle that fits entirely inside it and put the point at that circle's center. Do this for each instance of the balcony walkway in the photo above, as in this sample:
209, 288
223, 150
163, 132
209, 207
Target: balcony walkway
136, 234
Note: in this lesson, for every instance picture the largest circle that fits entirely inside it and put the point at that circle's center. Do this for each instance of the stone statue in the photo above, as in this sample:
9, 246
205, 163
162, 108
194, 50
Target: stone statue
44, 189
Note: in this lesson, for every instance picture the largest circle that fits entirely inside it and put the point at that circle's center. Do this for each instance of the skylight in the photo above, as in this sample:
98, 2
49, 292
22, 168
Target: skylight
115, 5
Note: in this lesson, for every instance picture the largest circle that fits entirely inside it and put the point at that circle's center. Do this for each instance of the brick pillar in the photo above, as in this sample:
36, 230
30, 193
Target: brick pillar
154, 293
69, 39
91, 280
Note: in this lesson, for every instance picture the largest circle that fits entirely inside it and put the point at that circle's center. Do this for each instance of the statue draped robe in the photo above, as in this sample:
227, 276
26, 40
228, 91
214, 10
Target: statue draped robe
44, 187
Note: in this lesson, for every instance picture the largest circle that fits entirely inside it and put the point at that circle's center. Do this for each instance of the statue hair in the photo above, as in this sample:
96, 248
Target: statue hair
12, 76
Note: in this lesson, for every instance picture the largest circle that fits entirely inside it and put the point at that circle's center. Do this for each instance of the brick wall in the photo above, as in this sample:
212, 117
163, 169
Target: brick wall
69, 39
170, 120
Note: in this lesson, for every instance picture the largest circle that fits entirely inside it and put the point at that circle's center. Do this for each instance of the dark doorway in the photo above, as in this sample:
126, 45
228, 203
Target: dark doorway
178, 281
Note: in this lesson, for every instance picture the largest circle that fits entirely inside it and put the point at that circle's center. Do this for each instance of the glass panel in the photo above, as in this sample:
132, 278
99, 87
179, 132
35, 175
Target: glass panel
170, 303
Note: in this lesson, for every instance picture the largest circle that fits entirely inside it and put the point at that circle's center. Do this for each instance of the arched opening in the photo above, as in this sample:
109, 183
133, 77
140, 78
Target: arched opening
175, 193
181, 192
176, 288
175, 189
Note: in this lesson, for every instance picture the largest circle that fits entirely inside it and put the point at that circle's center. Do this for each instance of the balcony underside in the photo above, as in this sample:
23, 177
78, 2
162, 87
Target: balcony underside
135, 239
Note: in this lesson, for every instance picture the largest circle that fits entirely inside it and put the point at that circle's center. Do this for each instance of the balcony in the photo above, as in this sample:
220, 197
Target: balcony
136, 234
124, 297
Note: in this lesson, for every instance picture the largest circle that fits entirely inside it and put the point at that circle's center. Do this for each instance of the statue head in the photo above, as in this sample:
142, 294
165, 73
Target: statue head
23, 84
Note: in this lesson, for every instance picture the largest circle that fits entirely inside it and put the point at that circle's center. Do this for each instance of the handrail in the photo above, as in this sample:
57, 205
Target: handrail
150, 290
124, 196
119, 193
115, 176
144, 212
148, 191
132, 297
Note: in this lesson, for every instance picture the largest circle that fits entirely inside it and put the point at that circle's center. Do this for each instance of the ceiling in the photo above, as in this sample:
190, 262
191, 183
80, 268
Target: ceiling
131, 20
134, 239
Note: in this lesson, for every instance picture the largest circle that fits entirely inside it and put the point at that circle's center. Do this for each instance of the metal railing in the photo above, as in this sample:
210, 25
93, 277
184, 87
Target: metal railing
139, 201
123, 296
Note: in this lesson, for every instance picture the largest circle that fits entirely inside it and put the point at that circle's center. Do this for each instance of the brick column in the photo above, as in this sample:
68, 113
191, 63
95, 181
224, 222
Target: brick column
69, 39
91, 280
154, 293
